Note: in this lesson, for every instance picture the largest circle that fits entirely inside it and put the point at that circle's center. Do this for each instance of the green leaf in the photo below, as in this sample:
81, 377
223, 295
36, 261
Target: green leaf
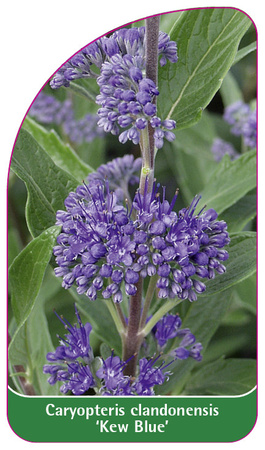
18, 352
168, 21
223, 377
228, 342
105, 350
207, 41
62, 154
190, 157
46, 183
27, 271
230, 91
85, 92
39, 338
241, 213
31, 343
231, 181
97, 313
246, 294
240, 265
202, 318
245, 51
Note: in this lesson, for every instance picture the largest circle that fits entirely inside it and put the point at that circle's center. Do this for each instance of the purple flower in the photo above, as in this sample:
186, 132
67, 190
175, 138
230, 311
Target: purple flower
70, 360
79, 381
127, 97
167, 328
48, 110
115, 383
184, 245
82, 130
120, 173
249, 130
122, 42
150, 376
167, 49
95, 235
236, 114
127, 101
75, 344
243, 122
79, 66
104, 245
111, 372
221, 148
194, 351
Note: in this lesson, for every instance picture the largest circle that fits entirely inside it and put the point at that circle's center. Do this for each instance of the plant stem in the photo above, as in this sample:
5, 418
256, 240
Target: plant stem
244, 147
167, 306
152, 32
147, 142
132, 340
20, 372
147, 172
121, 316
148, 298
117, 317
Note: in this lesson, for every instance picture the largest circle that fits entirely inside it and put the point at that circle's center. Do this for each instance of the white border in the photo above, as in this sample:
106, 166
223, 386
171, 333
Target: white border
36, 38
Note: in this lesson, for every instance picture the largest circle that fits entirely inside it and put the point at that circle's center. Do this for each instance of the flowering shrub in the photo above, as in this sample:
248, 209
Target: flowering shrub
140, 216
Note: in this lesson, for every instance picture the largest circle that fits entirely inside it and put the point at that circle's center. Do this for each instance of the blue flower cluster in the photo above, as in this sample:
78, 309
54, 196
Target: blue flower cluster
220, 147
120, 173
122, 42
127, 101
72, 362
127, 96
115, 383
243, 121
169, 327
48, 110
104, 244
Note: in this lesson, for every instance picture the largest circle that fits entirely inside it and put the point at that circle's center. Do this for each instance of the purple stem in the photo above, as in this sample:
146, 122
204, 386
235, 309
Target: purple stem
133, 337
152, 32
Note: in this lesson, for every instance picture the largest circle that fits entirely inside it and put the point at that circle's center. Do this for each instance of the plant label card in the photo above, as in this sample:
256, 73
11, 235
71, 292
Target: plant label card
132, 238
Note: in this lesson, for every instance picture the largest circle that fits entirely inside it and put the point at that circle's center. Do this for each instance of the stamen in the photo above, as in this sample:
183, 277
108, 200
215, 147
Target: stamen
173, 201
